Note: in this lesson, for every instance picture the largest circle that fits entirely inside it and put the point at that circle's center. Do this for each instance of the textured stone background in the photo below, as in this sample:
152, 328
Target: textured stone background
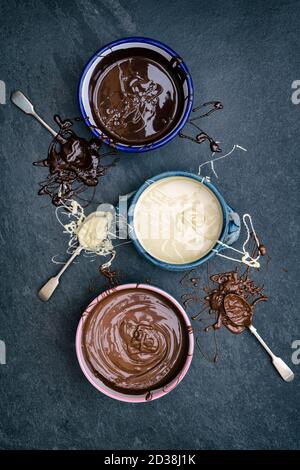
244, 53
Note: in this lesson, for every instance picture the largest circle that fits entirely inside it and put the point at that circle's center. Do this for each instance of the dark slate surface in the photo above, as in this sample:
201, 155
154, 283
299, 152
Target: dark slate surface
247, 55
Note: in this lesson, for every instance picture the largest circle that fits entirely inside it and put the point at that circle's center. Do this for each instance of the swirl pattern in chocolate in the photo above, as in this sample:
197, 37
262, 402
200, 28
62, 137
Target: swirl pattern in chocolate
135, 99
135, 340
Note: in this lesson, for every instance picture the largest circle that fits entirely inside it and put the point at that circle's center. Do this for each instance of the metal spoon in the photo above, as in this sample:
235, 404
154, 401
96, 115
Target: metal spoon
282, 368
20, 100
47, 290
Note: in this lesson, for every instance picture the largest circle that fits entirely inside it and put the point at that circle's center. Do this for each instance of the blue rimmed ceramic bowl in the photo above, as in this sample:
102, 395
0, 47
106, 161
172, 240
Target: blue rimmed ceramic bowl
103, 59
229, 233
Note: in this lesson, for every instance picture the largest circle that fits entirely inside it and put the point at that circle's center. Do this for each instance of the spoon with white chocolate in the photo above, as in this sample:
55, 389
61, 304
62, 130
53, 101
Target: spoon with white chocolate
47, 290
92, 235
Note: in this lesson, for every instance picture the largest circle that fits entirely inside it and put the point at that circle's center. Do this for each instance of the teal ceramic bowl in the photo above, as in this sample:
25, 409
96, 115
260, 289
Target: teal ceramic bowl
229, 234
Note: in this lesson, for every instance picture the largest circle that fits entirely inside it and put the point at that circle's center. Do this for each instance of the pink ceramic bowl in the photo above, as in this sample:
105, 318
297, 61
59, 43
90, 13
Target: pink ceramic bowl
122, 396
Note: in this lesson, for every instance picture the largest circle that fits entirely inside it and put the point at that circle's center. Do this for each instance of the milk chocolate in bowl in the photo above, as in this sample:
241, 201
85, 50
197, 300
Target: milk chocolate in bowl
136, 96
134, 340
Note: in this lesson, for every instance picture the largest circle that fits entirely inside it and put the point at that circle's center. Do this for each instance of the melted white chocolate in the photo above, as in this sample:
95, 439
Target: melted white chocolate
178, 220
92, 233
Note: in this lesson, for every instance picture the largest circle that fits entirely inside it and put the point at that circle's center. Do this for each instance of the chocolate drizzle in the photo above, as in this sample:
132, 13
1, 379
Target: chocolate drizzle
203, 136
135, 341
73, 162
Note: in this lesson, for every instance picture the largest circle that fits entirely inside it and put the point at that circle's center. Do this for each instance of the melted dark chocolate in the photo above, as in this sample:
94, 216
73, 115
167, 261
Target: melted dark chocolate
136, 96
73, 163
135, 341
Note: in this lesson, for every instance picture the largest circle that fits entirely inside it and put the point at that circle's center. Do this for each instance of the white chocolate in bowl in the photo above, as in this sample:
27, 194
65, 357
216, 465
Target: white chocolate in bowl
178, 220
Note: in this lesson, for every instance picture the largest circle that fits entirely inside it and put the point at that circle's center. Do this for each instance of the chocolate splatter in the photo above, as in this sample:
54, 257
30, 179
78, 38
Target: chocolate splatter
262, 250
206, 342
113, 278
74, 164
189, 279
210, 356
91, 287
149, 396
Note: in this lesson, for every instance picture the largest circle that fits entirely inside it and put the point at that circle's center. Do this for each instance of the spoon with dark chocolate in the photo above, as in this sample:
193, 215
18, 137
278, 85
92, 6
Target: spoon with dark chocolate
73, 162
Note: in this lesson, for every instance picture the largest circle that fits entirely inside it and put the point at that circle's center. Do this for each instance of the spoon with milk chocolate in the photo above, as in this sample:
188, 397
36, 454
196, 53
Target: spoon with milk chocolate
239, 312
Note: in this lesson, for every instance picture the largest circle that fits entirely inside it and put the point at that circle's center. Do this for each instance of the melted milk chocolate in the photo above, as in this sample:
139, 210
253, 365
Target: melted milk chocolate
135, 340
136, 99
233, 301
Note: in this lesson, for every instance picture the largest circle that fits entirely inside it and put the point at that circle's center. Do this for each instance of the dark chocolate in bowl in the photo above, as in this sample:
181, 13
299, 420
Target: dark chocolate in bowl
135, 340
136, 96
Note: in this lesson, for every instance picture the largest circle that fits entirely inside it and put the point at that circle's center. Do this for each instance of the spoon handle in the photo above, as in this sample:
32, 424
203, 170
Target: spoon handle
41, 121
259, 338
23, 103
70, 260
47, 290
282, 368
